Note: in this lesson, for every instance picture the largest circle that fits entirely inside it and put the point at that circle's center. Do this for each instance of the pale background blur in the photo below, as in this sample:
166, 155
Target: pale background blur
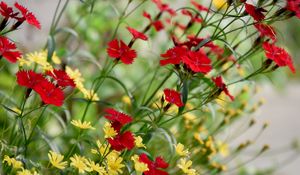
282, 108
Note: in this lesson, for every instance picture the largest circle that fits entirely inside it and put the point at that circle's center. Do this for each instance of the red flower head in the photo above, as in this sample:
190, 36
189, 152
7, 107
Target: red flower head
278, 55
266, 30
27, 16
118, 119
199, 6
61, 77
158, 25
220, 84
28, 78
198, 61
294, 6
154, 167
194, 18
173, 55
164, 7
7, 12
173, 97
122, 141
118, 49
256, 13
7, 50
49, 93
136, 34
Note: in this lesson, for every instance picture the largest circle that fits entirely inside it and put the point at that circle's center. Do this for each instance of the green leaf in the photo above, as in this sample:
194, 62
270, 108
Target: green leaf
50, 47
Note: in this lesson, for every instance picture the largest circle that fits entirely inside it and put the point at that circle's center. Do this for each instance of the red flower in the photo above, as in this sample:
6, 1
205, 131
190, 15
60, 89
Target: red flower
118, 119
256, 13
278, 55
294, 6
199, 6
61, 77
173, 55
164, 7
220, 84
118, 49
194, 18
136, 34
158, 25
28, 78
6, 50
198, 61
7, 12
266, 30
154, 167
27, 16
173, 97
122, 141
49, 93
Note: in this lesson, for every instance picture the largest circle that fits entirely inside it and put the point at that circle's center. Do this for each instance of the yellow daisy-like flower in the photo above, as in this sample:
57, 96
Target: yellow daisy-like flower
185, 166
16, 164
179, 148
39, 58
109, 131
220, 4
96, 167
90, 94
114, 163
138, 141
139, 166
57, 160
80, 163
82, 125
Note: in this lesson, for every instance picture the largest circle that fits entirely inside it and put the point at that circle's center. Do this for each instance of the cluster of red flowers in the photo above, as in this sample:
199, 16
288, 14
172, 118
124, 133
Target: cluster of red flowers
7, 47
8, 12
51, 92
273, 52
123, 140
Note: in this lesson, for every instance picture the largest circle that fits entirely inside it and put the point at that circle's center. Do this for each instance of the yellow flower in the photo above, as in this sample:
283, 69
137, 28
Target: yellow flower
185, 166
76, 76
139, 166
16, 164
80, 163
180, 150
57, 160
26, 172
39, 58
138, 141
96, 167
126, 100
223, 149
89, 94
220, 4
109, 131
56, 59
82, 125
114, 163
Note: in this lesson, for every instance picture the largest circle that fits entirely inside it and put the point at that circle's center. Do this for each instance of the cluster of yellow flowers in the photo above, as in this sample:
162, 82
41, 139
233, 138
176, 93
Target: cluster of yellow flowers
18, 166
39, 58
184, 164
